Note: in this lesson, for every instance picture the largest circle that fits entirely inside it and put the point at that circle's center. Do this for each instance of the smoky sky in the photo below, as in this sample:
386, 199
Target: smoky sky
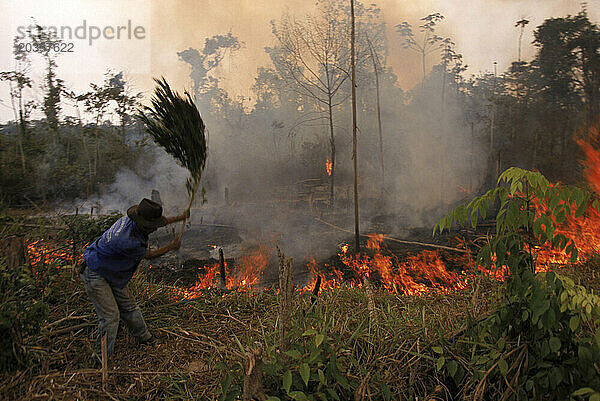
484, 32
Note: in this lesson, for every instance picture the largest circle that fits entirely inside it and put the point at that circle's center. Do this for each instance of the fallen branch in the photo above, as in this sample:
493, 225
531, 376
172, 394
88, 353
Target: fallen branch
70, 317
70, 329
448, 248
43, 226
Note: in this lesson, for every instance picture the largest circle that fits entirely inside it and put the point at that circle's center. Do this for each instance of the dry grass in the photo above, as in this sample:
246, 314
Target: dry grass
197, 337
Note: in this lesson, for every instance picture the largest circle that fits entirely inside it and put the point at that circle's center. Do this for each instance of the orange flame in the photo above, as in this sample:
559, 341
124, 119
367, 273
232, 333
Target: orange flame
418, 274
328, 166
245, 276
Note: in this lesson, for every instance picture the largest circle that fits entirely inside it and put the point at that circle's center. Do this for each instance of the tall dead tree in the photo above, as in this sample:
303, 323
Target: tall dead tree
354, 150
311, 56
375, 59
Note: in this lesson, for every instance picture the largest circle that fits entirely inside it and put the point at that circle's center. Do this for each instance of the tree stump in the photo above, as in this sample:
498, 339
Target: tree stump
14, 249
370, 299
253, 365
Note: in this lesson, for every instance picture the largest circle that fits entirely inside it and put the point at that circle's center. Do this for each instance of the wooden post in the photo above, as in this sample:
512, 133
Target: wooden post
315, 291
285, 300
354, 145
370, 298
253, 388
14, 249
104, 360
222, 271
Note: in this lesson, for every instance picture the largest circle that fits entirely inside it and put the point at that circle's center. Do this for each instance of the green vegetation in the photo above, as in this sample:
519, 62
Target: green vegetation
412, 347
544, 337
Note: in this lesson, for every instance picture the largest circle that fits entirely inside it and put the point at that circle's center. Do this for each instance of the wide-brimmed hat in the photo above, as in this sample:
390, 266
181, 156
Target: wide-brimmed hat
147, 214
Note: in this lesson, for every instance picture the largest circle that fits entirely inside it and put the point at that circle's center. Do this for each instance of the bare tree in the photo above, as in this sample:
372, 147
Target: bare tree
97, 103
430, 41
312, 56
376, 67
521, 23
18, 80
354, 127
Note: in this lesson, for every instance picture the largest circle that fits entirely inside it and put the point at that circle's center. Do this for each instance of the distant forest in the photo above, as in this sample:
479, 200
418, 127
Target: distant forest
449, 136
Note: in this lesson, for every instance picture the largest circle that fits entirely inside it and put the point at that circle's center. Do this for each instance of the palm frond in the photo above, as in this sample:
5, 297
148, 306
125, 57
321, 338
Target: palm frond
174, 122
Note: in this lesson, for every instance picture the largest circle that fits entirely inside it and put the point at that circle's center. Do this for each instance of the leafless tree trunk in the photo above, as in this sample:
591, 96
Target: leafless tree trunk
332, 147
354, 150
375, 60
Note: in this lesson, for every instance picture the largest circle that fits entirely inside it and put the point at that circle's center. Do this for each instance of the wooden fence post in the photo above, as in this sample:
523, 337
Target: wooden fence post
103, 351
286, 288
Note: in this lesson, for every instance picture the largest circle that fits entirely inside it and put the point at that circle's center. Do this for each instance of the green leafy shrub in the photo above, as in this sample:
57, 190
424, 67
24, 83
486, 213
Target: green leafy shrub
316, 367
86, 229
543, 340
313, 369
22, 312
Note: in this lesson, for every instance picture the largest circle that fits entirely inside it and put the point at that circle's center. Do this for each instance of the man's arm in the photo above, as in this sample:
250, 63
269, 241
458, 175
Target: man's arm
176, 244
185, 215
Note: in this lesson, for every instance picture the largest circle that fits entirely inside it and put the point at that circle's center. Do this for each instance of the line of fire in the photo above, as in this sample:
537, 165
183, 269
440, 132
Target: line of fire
313, 201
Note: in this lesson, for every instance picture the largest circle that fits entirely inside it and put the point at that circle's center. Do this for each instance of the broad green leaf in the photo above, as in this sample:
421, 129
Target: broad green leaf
554, 344
273, 398
452, 366
440, 363
287, 381
294, 353
298, 396
574, 322
315, 353
438, 350
321, 377
310, 332
304, 373
460, 215
503, 366
332, 393
319, 339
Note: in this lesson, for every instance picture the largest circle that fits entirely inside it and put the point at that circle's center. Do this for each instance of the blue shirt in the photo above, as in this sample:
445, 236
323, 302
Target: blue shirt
118, 252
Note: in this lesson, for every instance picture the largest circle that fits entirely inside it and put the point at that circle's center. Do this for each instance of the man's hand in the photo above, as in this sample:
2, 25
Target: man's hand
184, 216
175, 245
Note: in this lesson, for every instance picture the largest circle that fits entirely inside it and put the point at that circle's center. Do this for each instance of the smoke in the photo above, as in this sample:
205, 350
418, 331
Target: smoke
267, 177
157, 171
265, 172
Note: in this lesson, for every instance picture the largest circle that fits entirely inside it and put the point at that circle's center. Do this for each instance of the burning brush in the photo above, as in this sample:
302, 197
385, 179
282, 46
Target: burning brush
173, 121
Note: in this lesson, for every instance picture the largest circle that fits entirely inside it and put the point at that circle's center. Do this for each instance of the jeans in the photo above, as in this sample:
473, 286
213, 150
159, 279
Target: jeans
112, 303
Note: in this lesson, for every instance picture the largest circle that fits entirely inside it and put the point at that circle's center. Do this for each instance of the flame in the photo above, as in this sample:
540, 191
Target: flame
328, 166
592, 155
244, 276
45, 252
585, 230
423, 273
417, 275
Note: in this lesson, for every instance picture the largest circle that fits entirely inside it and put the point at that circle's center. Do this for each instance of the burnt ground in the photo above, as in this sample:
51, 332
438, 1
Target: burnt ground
232, 230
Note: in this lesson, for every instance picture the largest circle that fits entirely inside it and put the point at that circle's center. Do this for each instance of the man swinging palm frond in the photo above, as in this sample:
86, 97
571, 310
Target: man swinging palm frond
109, 263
